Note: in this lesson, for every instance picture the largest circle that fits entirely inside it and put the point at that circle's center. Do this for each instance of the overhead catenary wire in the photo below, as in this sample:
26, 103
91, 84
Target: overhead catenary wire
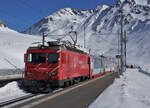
95, 50
8, 61
25, 3
31, 7
106, 39
64, 35
13, 24
15, 17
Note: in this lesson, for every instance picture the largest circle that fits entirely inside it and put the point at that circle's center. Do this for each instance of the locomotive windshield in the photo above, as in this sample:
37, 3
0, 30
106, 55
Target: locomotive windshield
36, 58
52, 57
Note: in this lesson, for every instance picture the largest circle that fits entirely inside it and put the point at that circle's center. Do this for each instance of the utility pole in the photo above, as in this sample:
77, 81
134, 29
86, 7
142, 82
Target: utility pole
84, 37
118, 56
43, 39
121, 44
125, 48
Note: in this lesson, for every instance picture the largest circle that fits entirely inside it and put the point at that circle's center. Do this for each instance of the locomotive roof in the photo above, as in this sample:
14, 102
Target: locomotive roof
57, 47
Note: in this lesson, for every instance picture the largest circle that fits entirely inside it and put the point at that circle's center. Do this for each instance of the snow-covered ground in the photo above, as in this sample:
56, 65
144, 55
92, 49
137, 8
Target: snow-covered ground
11, 91
146, 68
129, 91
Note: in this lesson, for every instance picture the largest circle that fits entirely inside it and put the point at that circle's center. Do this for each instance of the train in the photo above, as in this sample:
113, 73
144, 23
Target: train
59, 64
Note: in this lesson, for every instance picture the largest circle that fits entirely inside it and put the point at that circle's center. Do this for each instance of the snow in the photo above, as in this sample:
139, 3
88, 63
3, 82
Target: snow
102, 25
139, 2
129, 91
145, 68
13, 45
11, 91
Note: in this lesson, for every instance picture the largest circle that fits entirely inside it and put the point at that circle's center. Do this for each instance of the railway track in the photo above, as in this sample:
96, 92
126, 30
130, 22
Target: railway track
25, 98
74, 96
2, 104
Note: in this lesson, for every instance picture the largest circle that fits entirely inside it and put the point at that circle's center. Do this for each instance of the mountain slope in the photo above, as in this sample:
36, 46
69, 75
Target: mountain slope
13, 45
102, 18
102, 25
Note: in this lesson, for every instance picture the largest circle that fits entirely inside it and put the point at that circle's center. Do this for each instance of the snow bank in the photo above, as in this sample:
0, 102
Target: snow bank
10, 91
129, 91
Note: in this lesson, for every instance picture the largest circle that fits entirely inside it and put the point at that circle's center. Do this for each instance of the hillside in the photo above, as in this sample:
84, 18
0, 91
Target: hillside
13, 45
102, 26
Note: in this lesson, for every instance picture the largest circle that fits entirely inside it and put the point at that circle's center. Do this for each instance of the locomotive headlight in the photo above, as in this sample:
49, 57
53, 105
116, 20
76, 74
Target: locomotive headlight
53, 74
28, 73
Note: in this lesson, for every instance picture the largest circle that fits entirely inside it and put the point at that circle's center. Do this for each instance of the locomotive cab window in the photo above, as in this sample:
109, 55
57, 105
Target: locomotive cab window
36, 58
53, 57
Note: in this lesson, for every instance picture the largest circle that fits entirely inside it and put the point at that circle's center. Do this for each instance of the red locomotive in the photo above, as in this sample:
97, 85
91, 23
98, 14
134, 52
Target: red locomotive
55, 65
58, 65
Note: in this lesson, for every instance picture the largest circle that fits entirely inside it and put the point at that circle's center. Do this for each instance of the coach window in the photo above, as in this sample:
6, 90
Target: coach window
53, 57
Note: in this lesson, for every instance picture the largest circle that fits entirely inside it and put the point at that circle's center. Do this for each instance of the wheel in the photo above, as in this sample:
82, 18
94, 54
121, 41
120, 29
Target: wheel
66, 84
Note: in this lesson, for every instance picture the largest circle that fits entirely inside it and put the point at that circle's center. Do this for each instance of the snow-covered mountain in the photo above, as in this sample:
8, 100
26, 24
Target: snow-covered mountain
139, 2
101, 19
101, 25
13, 45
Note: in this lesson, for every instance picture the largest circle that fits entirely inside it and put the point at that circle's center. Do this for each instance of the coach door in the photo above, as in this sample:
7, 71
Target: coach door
90, 62
89, 65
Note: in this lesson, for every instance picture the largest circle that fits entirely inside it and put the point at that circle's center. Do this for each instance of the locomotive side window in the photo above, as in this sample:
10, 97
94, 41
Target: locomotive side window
53, 57
36, 58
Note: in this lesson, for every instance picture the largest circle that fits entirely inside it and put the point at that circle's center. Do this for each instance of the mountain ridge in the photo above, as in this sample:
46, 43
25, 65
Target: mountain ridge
103, 17
102, 25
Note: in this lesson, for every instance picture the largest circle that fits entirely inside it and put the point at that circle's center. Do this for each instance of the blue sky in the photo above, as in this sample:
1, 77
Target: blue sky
21, 14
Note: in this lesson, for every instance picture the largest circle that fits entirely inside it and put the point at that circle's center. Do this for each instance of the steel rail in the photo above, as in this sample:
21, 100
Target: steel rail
8, 102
